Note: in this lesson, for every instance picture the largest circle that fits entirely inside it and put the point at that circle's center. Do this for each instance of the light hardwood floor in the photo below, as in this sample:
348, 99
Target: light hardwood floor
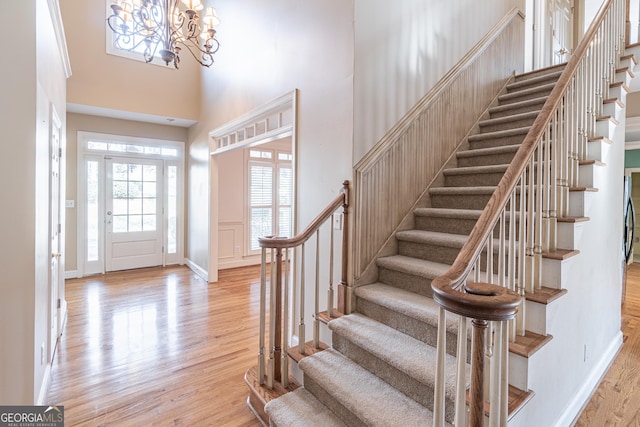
159, 347
162, 347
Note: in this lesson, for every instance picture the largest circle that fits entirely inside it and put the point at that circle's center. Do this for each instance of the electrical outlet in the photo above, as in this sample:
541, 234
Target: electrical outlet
337, 221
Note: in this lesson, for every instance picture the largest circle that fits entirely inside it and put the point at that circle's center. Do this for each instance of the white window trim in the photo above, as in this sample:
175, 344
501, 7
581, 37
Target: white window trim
275, 164
85, 154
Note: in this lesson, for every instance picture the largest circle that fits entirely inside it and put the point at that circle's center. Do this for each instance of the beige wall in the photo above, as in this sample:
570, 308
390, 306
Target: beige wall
289, 44
86, 123
31, 86
403, 48
633, 104
109, 81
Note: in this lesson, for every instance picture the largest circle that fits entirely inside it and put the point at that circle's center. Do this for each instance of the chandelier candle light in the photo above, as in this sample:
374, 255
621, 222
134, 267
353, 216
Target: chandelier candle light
165, 27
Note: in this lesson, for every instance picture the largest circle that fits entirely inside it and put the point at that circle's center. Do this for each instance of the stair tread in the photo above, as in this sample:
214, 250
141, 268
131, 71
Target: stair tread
448, 213
368, 397
545, 295
539, 71
405, 353
470, 170
524, 92
301, 408
410, 304
488, 151
489, 189
414, 266
528, 344
510, 118
535, 79
433, 237
519, 104
499, 133
309, 350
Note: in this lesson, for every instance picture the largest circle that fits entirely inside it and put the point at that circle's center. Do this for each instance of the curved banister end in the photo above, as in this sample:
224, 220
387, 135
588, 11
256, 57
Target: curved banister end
481, 301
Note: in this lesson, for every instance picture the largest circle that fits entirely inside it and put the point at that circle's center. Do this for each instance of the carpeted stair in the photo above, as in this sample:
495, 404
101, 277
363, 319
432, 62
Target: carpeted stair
380, 369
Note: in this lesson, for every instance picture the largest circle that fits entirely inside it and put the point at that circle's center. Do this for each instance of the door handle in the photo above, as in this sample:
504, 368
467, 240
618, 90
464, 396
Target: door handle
56, 255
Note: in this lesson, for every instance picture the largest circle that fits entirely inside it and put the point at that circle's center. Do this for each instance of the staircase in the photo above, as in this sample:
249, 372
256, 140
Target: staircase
380, 368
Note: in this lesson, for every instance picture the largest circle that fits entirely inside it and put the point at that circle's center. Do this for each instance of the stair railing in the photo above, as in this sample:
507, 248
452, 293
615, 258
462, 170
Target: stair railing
502, 259
283, 283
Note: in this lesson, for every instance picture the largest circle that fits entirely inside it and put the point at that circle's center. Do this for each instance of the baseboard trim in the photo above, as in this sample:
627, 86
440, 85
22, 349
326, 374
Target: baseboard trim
239, 263
197, 269
71, 274
575, 407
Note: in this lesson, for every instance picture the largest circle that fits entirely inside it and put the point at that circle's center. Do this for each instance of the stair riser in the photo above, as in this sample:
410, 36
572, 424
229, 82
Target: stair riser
406, 281
470, 180
445, 225
516, 110
425, 332
329, 401
420, 392
496, 142
458, 201
511, 124
531, 83
440, 254
486, 160
539, 73
429, 252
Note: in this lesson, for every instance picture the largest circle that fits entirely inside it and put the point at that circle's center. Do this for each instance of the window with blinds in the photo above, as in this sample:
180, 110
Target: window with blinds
270, 196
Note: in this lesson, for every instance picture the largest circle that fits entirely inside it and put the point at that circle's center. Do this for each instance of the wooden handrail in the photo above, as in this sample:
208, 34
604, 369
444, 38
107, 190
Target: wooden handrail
483, 307
271, 242
275, 369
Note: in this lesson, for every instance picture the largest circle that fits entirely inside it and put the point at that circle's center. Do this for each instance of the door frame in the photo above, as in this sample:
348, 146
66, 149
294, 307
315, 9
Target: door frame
56, 282
537, 38
269, 122
85, 154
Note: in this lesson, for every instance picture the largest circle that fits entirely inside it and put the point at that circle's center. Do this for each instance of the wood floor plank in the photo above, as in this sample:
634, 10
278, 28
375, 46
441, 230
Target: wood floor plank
158, 346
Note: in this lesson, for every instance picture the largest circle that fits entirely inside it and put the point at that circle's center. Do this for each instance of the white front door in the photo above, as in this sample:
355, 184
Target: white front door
134, 219
561, 30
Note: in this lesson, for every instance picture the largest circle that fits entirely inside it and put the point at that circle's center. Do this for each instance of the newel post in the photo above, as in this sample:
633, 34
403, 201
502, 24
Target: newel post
344, 291
476, 401
277, 347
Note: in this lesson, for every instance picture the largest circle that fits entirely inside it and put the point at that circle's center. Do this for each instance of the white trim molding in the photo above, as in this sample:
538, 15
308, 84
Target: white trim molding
197, 269
58, 27
269, 122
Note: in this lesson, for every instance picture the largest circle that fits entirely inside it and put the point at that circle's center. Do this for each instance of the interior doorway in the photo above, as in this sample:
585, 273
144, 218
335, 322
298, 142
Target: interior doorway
266, 139
550, 34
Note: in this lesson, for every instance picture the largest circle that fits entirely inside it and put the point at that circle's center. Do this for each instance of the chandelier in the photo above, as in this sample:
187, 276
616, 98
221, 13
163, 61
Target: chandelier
165, 27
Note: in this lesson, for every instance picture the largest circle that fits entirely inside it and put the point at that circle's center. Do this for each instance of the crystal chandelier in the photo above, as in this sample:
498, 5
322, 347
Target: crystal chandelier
165, 27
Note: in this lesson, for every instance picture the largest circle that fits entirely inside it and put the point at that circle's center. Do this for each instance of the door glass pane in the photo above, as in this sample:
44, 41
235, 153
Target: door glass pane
135, 222
119, 206
120, 224
93, 193
134, 197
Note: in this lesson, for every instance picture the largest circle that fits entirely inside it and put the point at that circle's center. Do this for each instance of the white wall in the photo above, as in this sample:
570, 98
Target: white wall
34, 80
403, 48
289, 44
